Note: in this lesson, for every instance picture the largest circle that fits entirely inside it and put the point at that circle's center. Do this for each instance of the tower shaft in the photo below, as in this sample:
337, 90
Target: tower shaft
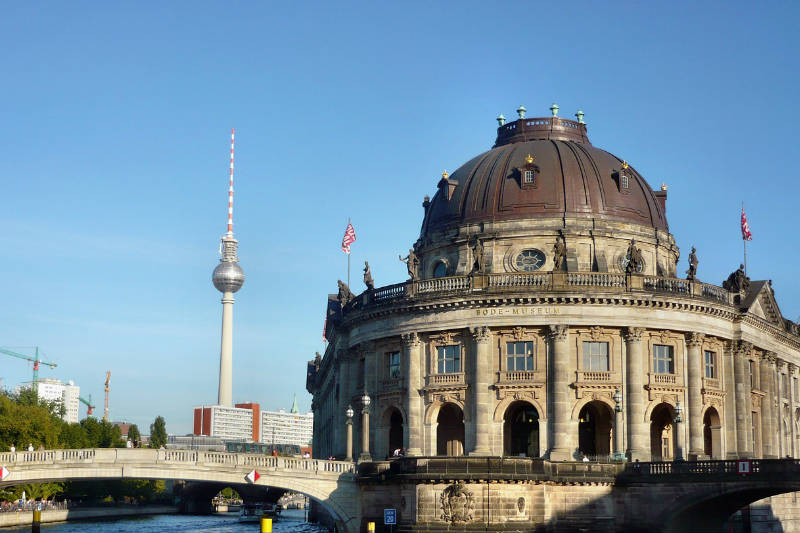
225, 395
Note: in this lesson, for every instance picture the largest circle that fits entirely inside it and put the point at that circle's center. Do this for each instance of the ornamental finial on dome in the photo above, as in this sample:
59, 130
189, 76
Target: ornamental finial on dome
444, 175
521, 111
554, 109
579, 116
501, 120
624, 165
529, 160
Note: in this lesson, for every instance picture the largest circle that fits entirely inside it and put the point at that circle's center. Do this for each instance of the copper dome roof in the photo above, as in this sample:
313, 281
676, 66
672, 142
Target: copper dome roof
573, 179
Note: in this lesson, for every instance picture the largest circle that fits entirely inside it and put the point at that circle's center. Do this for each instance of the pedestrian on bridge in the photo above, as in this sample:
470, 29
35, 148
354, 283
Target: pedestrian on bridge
30, 447
12, 448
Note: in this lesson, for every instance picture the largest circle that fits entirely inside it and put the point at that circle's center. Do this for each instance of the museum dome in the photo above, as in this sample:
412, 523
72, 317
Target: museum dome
542, 168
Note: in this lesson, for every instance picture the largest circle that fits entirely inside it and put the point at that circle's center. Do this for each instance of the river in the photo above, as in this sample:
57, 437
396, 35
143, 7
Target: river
290, 521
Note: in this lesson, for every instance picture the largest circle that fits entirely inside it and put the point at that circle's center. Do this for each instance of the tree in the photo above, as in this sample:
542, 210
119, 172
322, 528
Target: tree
158, 433
134, 436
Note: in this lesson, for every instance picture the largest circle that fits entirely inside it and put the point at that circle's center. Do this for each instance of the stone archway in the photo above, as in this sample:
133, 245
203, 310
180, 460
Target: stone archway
662, 436
595, 421
521, 430
395, 431
712, 434
450, 430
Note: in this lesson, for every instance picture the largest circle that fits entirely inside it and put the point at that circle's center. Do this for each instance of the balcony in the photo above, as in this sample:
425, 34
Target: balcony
455, 378
594, 376
516, 376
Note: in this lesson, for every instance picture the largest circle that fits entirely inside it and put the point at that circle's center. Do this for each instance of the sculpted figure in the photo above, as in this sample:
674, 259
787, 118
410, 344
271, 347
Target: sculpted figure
477, 256
559, 254
412, 263
691, 274
635, 259
345, 295
737, 281
368, 281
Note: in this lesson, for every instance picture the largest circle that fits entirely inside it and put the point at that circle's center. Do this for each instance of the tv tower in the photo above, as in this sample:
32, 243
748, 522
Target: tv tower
228, 278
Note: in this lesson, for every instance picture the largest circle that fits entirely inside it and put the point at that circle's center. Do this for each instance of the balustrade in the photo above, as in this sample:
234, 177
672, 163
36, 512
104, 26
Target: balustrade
453, 283
663, 379
596, 279
445, 379
516, 375
536, 279
594, 375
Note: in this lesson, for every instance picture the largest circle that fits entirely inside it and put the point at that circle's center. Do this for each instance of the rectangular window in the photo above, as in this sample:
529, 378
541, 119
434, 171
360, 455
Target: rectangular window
519, 355
449, 359
785, 385
624, 180
529, 177
393, 364
663, 359
595, 356
711, 366
752, 375
794, 388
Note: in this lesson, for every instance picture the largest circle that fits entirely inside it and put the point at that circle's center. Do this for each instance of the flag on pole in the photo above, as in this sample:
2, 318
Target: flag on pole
324, 329
746, 235
349, 238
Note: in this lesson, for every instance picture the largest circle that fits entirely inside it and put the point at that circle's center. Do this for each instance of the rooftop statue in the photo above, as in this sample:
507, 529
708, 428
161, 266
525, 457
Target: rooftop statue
737, 281
368, 281
345, 294
412, 262
691, 274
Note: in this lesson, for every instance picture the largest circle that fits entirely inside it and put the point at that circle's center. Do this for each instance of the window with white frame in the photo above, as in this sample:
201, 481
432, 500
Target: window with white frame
448, 359
529, 177
663, 359
519, 356
393, 364
711, 364
595, 356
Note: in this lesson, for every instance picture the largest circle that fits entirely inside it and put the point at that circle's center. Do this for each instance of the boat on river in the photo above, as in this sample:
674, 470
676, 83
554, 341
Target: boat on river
252, 512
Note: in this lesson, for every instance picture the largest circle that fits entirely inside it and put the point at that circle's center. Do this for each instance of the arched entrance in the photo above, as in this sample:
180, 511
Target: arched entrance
662, 436
521, 430
594, 430
395, 431
450, 430
712, 434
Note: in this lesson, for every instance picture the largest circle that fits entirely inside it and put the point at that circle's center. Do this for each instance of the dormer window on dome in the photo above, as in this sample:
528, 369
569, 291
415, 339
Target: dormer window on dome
623, 178
527, 173
447, 186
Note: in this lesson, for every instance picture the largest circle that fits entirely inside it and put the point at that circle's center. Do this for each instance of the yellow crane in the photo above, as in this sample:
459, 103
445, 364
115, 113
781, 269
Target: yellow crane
105, 408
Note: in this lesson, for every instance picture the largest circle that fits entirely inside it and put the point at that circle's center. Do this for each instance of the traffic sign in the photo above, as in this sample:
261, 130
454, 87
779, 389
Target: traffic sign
743, 467
390, 517
252, 476
4, 473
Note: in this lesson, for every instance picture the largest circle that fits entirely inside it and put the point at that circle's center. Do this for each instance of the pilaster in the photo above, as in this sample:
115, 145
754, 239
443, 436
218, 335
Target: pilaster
412, 357
694, 408
558, 376
741, 353
480, 390
638, 431
765, 371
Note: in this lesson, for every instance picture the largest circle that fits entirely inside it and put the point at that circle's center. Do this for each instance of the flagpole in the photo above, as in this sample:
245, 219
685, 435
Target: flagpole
744, 244
348, 257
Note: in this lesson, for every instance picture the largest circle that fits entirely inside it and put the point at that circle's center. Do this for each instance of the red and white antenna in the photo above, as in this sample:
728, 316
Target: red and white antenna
230, 194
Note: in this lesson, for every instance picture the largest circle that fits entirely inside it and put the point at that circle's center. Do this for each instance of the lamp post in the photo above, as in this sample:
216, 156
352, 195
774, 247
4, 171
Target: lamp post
678, 437
617, 455
365, 456
349, 425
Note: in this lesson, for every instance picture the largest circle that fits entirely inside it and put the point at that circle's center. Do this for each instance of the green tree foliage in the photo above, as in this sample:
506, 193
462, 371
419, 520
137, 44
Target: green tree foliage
34, 491
134, 435
158, 433
229, 494
27, 422
101, 434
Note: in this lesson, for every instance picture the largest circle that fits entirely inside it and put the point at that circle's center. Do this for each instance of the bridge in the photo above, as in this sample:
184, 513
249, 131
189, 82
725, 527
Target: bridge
331, 483
661, 497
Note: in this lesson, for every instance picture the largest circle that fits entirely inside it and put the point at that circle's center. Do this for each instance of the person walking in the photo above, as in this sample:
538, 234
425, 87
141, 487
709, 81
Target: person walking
12, 448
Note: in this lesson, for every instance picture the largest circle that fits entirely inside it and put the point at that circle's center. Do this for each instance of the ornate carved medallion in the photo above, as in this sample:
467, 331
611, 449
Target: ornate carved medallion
457, 503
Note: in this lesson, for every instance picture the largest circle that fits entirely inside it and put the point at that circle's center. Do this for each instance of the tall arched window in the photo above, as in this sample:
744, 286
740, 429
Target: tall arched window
440, 270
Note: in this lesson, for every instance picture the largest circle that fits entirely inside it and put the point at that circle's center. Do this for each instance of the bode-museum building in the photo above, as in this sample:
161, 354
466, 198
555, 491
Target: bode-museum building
547, 315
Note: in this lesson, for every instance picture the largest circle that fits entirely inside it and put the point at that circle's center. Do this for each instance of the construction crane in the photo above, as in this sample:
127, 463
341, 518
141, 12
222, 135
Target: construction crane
105, 408
89, 405
35, 359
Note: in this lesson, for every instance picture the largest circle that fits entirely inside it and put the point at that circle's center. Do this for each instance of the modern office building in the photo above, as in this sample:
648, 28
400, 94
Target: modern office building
55, 390
280, 427
235, 423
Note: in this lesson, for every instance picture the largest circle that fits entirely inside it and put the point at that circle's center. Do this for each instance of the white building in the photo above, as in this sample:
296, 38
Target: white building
224, 422
280, 427
55, 390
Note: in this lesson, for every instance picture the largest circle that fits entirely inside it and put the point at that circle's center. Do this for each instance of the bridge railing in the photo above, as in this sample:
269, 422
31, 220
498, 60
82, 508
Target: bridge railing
710, 468
178, 457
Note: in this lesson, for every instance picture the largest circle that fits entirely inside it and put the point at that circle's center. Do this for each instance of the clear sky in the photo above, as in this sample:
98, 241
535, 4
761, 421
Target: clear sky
114, 161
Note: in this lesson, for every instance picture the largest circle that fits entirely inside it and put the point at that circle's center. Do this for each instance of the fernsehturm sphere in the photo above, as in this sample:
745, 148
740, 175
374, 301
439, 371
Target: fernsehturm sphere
228, 278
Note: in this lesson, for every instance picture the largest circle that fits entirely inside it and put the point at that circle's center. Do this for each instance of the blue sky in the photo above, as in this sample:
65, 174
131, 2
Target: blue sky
114, 160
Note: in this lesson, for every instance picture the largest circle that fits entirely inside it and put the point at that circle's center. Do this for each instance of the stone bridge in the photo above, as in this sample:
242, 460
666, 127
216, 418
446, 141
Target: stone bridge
331, 483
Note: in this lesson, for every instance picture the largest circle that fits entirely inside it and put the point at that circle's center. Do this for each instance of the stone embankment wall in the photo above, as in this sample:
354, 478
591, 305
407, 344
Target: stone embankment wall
25, 518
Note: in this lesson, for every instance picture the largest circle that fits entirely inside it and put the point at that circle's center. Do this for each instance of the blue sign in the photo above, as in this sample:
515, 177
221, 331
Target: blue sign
390, 517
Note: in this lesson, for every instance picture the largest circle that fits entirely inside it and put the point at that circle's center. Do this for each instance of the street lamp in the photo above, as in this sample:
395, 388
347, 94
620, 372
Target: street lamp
365, 456
617, 455
349, 424
678, 440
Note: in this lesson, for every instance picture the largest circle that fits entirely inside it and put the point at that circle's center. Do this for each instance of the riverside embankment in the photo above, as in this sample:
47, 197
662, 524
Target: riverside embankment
23, 518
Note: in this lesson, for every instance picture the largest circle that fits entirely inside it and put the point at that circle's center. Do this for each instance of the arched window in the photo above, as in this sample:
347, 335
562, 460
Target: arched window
440, 270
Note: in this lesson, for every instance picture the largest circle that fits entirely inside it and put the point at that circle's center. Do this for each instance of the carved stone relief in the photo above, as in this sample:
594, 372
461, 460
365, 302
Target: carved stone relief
457, 504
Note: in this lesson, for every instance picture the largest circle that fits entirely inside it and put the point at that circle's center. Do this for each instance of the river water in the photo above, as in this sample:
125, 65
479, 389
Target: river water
290, 521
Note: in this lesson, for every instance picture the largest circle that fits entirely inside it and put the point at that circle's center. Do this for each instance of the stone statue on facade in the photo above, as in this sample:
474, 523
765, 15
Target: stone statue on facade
477, 257
691, 274
412, 263
345, 294
368, 281
559, 254
737, 281
635, 259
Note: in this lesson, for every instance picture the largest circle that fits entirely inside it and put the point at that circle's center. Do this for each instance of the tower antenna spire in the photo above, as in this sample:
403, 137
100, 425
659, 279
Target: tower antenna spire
230, 192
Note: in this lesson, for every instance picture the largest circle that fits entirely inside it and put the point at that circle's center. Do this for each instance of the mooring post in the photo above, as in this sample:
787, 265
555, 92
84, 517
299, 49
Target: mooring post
36, 526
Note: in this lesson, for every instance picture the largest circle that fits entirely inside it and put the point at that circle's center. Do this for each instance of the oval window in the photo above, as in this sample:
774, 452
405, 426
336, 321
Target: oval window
530, 260
440, 270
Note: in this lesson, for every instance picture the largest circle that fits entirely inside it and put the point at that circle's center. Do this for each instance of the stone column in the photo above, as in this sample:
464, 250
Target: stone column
741, 353
781, 446
412, 348
618, 455
365, 455
694, 407
729, 386
638, 432
558, 377
767, 425
480, 389
349, 449
790, 370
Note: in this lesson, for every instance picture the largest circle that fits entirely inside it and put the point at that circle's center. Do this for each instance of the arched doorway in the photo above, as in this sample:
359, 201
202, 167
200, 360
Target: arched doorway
712, 434
662, 437
594, 430
395, 431
521, 430
450, 430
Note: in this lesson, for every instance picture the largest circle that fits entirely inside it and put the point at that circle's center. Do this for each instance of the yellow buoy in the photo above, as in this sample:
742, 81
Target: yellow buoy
266, 525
